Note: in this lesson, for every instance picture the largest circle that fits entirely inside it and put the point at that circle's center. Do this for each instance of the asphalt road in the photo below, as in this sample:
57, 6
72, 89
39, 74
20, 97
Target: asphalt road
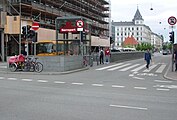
115, 91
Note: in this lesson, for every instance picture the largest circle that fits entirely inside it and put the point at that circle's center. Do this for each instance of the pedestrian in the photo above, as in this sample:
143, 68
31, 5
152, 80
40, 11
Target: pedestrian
147, 58
175, 59
107, 55
101, 53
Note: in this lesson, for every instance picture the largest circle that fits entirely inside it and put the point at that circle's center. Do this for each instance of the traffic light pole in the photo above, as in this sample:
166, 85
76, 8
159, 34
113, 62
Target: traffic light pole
172, 56
172, 50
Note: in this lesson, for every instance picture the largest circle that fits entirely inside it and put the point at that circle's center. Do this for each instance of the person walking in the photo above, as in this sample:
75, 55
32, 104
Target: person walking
107, 55
147, 58
175, 59
101, 53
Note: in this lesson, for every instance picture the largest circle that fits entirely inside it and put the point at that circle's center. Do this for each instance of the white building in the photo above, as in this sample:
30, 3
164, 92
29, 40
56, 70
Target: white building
135, 28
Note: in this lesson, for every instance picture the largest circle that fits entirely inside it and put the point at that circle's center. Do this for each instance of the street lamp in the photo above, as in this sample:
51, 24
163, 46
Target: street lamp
151, 7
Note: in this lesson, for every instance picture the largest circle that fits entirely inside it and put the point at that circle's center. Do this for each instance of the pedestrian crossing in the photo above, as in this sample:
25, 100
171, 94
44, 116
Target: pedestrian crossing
157, 68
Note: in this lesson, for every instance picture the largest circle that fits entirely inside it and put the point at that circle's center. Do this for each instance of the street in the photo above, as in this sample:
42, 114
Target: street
115, 91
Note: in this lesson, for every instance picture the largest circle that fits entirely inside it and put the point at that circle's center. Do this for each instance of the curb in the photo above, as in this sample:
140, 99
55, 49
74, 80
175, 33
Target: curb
46, 73
165, 75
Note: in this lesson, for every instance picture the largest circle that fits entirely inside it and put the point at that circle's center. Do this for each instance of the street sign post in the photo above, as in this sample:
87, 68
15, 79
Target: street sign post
172, 21
35, 26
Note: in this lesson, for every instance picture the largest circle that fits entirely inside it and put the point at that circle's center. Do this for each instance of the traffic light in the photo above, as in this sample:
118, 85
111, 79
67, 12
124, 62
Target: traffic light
28, 27
171, 37
24, 31
34, 39
32, 35
83, 36
111, 40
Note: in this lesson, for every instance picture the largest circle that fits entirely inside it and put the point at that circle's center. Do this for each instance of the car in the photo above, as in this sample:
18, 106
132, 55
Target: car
165, 52
115, 50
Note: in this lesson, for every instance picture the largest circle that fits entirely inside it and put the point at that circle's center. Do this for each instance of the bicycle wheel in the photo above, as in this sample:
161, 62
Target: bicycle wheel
38, 67
13, 67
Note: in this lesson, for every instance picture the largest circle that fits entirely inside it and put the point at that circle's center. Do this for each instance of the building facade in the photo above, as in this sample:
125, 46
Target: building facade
18, 13
135, 28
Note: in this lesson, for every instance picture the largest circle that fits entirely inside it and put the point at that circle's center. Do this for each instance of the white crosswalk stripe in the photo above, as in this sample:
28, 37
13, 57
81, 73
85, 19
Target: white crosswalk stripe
160, 69
127, 68
115, 68
138, 68
157, 68
109, 66
150, 68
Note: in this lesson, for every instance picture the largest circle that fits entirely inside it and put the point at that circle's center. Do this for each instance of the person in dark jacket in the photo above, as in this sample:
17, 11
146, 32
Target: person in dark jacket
147, 58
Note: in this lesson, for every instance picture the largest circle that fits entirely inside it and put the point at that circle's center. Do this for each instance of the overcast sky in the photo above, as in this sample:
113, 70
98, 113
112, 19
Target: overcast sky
156, 19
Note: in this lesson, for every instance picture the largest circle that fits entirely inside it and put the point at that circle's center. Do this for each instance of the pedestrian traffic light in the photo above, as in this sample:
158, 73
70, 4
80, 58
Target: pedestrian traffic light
171, 36
24, 31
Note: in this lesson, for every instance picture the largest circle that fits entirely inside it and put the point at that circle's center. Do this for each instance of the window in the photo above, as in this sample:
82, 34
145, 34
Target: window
137, 28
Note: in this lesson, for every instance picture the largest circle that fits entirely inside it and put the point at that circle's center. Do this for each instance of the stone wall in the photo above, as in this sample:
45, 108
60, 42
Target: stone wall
124, 56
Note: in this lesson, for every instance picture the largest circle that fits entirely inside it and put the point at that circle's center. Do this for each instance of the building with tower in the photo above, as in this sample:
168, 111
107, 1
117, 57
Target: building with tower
137, 29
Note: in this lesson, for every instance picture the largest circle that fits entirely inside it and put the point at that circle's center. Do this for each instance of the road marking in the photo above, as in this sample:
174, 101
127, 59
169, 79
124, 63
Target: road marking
27, 80
12, 78
3, 66
118, 67
109, 66
2, 78
138, 78
77, 83
98, 85
127, 68
139, 68
59, 82
118, 86
129, 107
160, 69
163, 81
42, 81
131, 75
150, 68
140, 88
160, 89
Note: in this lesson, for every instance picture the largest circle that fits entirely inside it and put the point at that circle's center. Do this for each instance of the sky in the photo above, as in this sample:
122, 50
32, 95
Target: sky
156, 19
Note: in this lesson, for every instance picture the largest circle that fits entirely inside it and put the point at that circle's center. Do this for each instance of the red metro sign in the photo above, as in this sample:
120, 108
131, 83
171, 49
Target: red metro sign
68, 28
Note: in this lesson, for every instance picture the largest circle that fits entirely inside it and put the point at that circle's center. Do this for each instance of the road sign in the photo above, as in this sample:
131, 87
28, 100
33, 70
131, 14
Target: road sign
35, 26
80, 23
172, 20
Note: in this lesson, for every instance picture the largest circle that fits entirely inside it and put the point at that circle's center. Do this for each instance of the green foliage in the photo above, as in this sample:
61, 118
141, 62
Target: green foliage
144, 46
167, 46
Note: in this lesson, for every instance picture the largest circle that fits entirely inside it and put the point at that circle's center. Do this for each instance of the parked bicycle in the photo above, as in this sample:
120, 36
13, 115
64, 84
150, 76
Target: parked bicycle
87, 62
23, 63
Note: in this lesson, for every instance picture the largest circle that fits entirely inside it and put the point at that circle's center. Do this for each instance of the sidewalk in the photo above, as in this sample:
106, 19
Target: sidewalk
169, 74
